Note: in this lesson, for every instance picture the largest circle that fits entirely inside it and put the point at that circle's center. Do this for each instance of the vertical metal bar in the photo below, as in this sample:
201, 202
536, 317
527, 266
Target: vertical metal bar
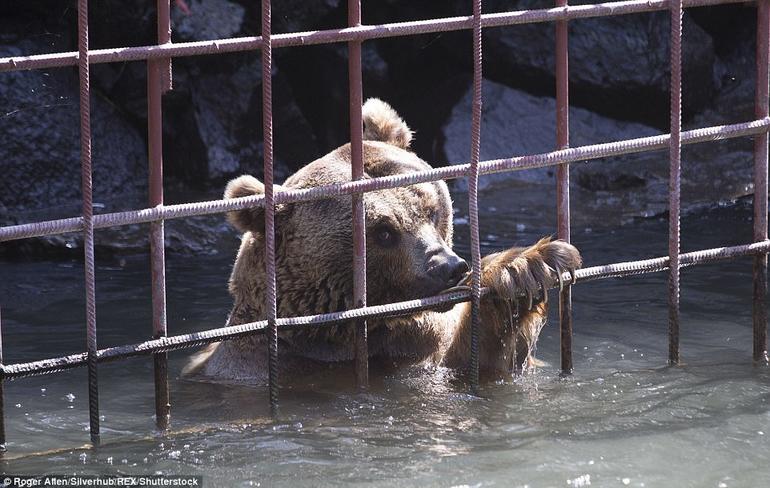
359, 216
164, 37
675, 152
562, 182
155, 69
88, 216
2, 391
761, 102
473, 202
267, 125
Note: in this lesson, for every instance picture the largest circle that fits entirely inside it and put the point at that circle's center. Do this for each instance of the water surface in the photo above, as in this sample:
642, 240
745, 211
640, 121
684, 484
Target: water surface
622, 419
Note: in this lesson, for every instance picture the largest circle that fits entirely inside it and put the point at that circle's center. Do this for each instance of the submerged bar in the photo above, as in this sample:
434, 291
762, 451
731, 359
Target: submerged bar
88, 215
359, 216
473, 198
267, 124
562, 183
158, 73
759, 307
675, 174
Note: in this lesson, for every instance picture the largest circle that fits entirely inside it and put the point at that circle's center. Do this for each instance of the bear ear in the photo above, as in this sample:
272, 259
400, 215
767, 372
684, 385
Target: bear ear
382, 123
247, 219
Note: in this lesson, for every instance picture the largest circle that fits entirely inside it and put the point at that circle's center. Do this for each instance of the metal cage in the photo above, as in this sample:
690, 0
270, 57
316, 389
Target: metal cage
158, 58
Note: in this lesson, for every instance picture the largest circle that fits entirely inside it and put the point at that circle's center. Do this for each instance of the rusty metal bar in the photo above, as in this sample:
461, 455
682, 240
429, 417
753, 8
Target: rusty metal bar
615, 270
164, 37
267, 125
88, 223
562, 182
362, 33
156, 80
359, 216
2, 392
761, 104
675, 174
473, 198
569, 155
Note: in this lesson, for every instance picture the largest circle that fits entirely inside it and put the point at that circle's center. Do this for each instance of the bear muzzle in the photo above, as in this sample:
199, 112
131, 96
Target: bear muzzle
446, 268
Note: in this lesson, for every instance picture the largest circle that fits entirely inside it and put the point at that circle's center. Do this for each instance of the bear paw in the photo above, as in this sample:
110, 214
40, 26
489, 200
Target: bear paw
524, 275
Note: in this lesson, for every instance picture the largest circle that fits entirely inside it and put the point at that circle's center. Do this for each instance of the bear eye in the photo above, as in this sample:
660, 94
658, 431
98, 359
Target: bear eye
435, 218
385, 235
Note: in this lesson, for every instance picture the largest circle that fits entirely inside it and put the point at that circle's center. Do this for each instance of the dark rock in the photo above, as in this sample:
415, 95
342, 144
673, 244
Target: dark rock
226, 96
516, 123
40, 141
618, 65
207, 19
318, 77
298, 15
212, 119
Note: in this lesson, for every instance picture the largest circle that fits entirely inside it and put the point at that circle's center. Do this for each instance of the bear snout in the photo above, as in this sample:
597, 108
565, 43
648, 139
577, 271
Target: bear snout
446, 268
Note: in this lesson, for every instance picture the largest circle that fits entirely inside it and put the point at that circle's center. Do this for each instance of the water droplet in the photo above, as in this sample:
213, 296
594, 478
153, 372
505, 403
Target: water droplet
174, 454
69, 397
626, 481
109, 460
520, 227
83, 456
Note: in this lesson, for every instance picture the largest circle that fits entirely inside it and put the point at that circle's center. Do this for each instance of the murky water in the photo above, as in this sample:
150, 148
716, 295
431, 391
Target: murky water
623, 418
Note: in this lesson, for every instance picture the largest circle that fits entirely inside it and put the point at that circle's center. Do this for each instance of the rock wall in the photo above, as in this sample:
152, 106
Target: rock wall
212, 119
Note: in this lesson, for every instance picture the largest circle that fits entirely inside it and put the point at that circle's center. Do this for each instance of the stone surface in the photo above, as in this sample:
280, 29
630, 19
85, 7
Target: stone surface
40, 141
207, 19
624, 187
515, 123
620, 64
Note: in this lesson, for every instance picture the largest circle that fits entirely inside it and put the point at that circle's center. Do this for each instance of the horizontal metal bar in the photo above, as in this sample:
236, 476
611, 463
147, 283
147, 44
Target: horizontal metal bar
359, 33
569, 155
186, 341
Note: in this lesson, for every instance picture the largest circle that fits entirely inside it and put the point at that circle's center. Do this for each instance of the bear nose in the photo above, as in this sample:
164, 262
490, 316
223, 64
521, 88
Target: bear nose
447, 267
457, 270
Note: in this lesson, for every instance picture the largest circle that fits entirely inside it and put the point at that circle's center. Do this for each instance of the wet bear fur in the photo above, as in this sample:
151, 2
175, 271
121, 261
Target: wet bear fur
407, 228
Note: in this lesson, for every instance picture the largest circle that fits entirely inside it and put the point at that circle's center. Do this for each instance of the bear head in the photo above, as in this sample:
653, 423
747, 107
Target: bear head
408, 229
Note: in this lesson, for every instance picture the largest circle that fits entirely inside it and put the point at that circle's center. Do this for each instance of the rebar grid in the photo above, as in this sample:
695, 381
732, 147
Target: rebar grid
570, 155
159, 80
195, 339
362, 33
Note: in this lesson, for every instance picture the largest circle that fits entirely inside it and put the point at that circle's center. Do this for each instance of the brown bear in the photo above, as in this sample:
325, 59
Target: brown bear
409, 255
